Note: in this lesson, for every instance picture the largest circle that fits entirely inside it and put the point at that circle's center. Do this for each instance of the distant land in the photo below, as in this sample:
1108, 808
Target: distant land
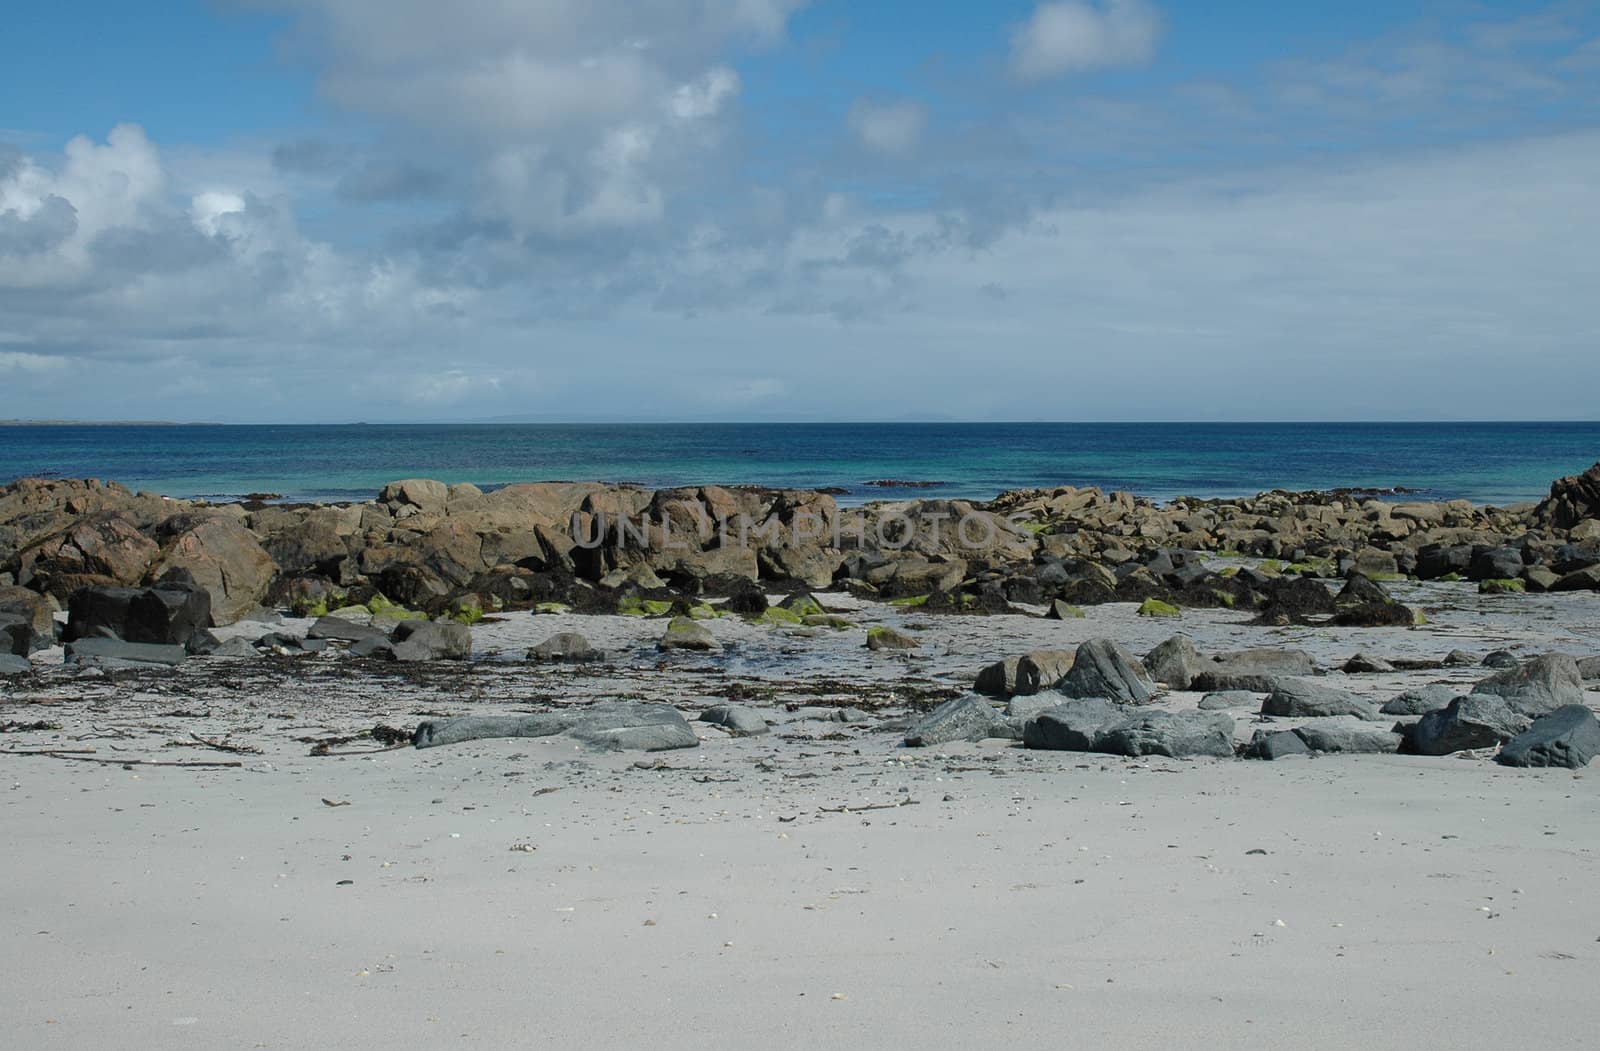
98, 423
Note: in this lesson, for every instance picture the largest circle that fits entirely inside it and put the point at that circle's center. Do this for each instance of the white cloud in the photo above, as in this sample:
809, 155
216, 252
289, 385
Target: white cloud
22, 361
891, 128
1071, 36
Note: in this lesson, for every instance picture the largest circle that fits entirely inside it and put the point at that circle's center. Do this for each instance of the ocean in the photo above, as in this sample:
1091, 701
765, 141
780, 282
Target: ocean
1498, 463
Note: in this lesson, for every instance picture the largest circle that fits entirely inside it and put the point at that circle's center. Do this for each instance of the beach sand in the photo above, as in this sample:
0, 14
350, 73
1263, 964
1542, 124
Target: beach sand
529, 892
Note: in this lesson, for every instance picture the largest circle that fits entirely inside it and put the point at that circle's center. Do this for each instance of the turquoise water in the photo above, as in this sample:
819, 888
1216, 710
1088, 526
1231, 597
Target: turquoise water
1484, 462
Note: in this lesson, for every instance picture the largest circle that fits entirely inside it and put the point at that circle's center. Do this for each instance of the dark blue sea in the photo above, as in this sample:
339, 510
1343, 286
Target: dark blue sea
1495, 463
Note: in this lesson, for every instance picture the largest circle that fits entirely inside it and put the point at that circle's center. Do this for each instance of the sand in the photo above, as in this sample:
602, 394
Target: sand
519, 893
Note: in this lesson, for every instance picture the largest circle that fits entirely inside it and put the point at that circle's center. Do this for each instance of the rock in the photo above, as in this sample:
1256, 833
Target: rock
1362, 664
1154, 607
1376, 615
568, 646
849, 715
1587, 579
11, 664
343, 629
1021, 709
1500, 659
1223, 700
423, 494
16, 635
1441, 560
1175, 662
1479, 721
684, 633
884, 638
1275, 744
1568, 736
1076, 726
237, 648
618, 725
1349, 734
1101, 668
1060, 610
1495, 563
167, 614
1024, 675
1361, 590
1255, 670
1538, 578
1303, 699
737, 719
1175, 734
1547, 682
960, 719
1572, 500
1422, 700
224, 558
1589, 668
105, 549
1459, 659
33, 609
115, 653
286, 645
427, 640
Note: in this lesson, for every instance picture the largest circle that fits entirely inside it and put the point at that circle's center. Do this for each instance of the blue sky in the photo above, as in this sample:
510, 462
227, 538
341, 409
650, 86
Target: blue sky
318, 210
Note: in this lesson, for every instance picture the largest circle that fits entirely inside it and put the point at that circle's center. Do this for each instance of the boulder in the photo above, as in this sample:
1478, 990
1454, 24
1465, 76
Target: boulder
1500, 660
1568, 737
1589, 668
684, 633
1479, 721
423, 494
1572, 500
1255, 670
1349, 734
1178, 735
1304, 699
11, 664
1275, 744
1495, 563
736, 719
1076, 726
237, 648
105, 549
1421, 700
1101, 668
1545, 683
960, 719
1175, 662
115, 653
166, 614
1586, 579
566, 646
885, 638
343, 629
224, 558
1361, 590
33, 609
1222, 700
614, 726
380, 648
1363, 664
427, 640
1028, 674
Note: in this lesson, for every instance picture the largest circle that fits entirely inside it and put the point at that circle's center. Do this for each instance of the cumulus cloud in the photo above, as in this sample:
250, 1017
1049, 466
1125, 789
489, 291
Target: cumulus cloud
892, 128
1070, 36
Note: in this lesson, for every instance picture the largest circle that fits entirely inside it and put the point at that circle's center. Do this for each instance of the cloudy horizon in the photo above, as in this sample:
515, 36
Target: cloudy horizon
342, 210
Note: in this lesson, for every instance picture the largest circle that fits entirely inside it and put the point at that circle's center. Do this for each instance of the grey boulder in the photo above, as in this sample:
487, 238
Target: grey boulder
1175, 662
961, 719
1348, 734
736, 719
1072, 727
1421, 700
614, 726
428, 640
1568, 736
1101, 668
1542, 685
1177, 735
566, 646
1256, 670
114, 653
1479, 721
1302, 698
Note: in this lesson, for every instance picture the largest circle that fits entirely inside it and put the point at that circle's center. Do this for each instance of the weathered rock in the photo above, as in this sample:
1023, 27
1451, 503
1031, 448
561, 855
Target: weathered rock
1175, 662
1567, 737
11, 664
960, 719
1459, 659
1589, 668
1303, 699
236, 648
224, 558
1361, 590
736, 719
1362, 664
1022, 708
380, 648
1586, 579
115, 653
1500, 660
1027, 674
1572, 500
1495, 563
423, 494
1547, 682
1101, 668
568, 646
1222, 700
33, 609
1346, 733
1479, 721
1422, 700
1175, 734
1076, 726
1062, 610
167, 614
343, 629
684, 633
105, 549
1255, 670
427, 640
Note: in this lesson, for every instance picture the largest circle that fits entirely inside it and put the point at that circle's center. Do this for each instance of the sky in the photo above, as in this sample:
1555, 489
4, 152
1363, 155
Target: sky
401, 210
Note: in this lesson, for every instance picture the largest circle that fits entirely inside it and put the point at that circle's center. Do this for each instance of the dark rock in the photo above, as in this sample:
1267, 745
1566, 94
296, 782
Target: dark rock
16, 635
201, 644
1422, 700
116, 653
427, 640
1441, 560
1579, 580
1174, 734
236, 648
736, 719
381, 648
1222, 700
1567, 737
1101, 668
960, 719
1275, 744
1547, 682
1460, 659
1479, 721
1361, 590
1175, 662
1495, 563
1500, 659
1362, 664
11, 664
568, 646
1073, 727
1347, 734
35, 610
167, 614
1301, 698
1375, 615
343, 629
